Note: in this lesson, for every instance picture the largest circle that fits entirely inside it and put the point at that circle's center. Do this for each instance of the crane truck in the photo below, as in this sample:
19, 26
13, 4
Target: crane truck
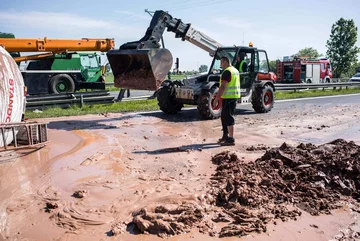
46, 74
63, 66
143, 65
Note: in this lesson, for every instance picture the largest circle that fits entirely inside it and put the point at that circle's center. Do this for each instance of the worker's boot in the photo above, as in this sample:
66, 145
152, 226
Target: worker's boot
230, 141
223, 139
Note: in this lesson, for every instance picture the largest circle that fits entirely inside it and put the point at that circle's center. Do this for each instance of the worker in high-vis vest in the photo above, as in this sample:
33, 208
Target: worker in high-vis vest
229, 92
241, 64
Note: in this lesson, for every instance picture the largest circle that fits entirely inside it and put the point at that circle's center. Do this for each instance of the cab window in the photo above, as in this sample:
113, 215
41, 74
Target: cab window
261, 63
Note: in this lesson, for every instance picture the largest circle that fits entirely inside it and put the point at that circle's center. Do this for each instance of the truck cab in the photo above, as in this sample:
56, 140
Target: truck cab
325, 70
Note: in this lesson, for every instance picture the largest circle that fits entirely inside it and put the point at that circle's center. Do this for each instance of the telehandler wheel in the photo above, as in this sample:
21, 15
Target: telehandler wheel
206, 107
166, 99
263, 99
62, 83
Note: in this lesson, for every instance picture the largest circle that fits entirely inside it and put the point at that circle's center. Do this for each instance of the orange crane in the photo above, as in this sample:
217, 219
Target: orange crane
61, 65
53, 46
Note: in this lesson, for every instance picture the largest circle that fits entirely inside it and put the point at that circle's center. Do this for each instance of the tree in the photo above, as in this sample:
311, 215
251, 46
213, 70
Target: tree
342, 50
272, 66
308, 52
354, 68
203, 68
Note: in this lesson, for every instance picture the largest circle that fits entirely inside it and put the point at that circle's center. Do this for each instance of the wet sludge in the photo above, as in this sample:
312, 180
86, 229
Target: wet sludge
247, 196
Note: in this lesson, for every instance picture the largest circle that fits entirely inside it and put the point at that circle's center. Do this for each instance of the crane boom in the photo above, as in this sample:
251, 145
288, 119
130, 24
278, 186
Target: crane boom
55, 45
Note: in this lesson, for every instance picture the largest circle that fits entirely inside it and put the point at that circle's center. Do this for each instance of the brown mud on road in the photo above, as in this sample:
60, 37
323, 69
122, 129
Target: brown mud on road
124, 177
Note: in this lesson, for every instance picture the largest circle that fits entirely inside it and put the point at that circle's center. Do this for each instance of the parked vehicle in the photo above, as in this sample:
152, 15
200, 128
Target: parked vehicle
355, 78
303, 70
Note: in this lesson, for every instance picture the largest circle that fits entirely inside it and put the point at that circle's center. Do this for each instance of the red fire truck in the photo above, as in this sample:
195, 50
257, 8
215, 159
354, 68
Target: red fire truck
303, 70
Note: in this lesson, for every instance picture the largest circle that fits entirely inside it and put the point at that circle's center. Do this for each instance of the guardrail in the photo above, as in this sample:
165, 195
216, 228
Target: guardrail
337, 83
104, 97
65, 100
323, 86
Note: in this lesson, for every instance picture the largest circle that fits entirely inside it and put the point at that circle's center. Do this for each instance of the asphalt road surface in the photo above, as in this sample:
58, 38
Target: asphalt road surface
288, 112
134, 94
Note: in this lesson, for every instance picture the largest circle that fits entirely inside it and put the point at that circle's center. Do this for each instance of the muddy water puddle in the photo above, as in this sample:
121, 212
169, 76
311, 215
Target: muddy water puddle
123, 163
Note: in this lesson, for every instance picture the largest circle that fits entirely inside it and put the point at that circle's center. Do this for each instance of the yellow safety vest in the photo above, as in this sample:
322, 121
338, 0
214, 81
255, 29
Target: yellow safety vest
232, 90
241, 65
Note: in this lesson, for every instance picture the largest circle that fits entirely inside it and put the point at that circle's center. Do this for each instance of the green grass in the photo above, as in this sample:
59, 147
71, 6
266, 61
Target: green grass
109, 78
148, 105
127, 106
177, 77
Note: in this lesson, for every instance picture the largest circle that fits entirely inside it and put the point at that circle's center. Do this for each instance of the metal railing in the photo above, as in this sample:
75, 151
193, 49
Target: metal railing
104, 97
295, 87
24, 134
63, 100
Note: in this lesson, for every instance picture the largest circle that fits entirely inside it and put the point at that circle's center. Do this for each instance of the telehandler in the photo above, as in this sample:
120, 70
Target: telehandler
144, 65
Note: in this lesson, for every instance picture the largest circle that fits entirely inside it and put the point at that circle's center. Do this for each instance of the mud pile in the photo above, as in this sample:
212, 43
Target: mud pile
283, 182
246, 196
169, 220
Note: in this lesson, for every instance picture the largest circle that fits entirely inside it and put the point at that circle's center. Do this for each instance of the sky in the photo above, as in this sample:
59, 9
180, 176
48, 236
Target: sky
281, 27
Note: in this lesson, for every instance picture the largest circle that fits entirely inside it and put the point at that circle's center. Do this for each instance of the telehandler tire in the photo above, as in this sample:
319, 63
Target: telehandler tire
166, 99
206, 108
263, 99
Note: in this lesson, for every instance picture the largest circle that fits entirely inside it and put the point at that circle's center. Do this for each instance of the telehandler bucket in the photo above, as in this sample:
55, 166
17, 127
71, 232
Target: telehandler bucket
140, 69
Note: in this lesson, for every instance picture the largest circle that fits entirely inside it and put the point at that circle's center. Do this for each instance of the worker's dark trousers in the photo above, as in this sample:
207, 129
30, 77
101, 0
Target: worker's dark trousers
227, 114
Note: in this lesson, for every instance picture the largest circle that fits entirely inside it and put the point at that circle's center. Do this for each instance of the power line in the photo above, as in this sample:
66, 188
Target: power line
171, 3
176, 5
198, 4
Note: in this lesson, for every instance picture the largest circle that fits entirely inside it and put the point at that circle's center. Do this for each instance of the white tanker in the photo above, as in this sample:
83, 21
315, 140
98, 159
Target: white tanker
12, 94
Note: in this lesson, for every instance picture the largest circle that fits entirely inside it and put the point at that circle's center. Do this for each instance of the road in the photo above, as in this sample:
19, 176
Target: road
324, 102
134, 94
124, 163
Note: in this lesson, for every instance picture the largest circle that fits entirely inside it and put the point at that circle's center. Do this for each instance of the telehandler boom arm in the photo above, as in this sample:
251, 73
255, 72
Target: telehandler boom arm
185, 31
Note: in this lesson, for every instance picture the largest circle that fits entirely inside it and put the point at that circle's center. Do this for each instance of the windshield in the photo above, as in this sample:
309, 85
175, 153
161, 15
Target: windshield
228, 52
93, 62
89, 62
357, 75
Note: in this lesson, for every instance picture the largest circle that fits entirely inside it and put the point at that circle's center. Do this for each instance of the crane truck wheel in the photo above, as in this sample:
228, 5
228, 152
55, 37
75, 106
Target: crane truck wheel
166, 99
62, 83
206, 107
263, 99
